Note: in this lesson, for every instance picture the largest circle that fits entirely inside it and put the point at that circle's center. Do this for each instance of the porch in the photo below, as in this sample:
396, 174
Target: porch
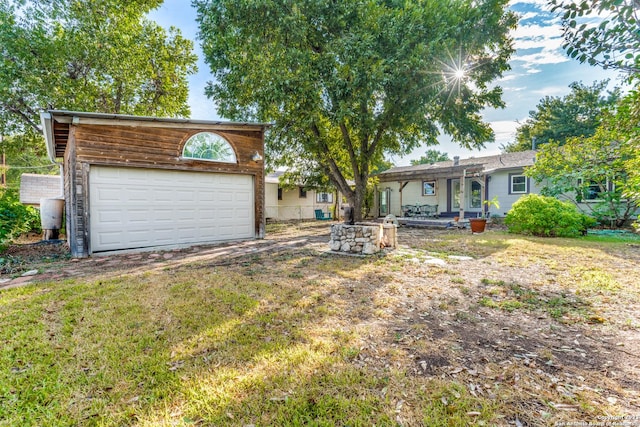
426, 194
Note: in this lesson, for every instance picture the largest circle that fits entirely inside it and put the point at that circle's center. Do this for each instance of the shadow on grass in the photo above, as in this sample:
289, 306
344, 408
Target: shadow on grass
205, 345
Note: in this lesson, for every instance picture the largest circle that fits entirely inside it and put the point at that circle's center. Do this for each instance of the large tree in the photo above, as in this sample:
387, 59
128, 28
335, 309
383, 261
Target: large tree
346, 82
91, 55
577, 114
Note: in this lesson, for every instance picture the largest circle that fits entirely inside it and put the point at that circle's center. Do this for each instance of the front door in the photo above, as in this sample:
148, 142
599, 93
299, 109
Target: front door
472, 197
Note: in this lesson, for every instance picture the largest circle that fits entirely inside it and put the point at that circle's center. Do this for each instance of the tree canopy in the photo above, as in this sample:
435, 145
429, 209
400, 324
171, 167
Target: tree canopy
430, 157
577, 114
348, 82
90, 55
611, 40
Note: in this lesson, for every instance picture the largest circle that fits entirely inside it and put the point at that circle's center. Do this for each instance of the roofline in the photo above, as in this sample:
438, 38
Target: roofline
430, 173
47, 130
435, 169
77, 117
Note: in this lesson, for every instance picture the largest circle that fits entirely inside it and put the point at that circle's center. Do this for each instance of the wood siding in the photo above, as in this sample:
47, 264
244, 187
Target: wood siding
146, 147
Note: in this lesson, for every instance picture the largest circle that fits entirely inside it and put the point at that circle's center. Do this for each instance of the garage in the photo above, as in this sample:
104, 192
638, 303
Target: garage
135, 182
138, 208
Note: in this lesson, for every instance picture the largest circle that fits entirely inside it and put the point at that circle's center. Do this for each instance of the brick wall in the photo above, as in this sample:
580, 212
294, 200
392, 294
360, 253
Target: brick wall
34, 187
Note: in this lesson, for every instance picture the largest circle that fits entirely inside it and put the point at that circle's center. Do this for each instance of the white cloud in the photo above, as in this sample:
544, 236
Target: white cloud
505, 130
529, 15
546, 39
542, 4
551, 91
546, 30
541, 58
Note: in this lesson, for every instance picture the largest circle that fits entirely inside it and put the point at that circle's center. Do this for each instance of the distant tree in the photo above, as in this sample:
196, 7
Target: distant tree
89, 55
431, 157
347, 83
611, 40
577, 114
25, 152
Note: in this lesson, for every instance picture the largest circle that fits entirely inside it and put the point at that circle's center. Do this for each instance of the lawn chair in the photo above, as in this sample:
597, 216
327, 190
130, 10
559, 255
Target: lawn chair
321, 216
429, 211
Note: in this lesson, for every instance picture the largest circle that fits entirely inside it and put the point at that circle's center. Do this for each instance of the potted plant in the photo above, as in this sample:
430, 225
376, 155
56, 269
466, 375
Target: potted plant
478, 224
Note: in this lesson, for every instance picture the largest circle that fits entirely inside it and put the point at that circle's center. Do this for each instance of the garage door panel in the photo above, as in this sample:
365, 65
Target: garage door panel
132, 207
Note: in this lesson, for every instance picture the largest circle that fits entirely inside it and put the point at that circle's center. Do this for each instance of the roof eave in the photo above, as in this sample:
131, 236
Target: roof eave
433, 173
47, 129
78, 117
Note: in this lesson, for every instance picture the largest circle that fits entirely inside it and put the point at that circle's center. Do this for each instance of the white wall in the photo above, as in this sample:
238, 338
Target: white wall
292, 206
499, 186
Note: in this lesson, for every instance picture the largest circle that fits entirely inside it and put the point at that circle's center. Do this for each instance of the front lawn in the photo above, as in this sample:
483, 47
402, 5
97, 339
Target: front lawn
530, 332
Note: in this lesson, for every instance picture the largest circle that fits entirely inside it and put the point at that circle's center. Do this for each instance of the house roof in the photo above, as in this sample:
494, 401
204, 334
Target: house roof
273, 177
56, 123
486, 164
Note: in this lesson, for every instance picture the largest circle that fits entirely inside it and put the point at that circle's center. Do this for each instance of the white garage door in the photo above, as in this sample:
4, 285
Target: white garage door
137, 208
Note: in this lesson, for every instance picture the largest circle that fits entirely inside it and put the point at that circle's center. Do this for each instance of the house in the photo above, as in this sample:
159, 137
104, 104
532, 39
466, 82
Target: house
458, 187
284, 203
139, 182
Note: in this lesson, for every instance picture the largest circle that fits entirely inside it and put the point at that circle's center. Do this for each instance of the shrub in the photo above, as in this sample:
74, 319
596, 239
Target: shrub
546, 216
16, 218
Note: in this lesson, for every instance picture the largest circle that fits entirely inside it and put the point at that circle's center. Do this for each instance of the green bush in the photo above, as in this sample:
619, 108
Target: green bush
546, 216
16, 218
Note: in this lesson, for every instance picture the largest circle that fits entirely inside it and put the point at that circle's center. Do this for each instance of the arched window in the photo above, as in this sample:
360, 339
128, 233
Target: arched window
209, 146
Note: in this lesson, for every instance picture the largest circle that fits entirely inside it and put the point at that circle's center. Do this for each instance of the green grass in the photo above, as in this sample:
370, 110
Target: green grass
513, 296
612, 236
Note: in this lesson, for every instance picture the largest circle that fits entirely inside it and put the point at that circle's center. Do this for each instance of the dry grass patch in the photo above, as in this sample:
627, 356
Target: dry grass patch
531, 332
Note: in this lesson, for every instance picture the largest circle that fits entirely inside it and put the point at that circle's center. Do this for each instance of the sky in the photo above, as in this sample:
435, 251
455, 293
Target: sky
539, 68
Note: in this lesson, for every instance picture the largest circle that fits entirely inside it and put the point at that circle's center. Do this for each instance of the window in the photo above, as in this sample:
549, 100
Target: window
428, 188
324, 198
279, 193
455, 190
209, 146
591, 191
518, 184
302, 193
385, 196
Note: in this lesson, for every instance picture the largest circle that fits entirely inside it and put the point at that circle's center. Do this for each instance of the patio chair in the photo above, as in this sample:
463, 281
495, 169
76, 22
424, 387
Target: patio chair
427, 211
321, 216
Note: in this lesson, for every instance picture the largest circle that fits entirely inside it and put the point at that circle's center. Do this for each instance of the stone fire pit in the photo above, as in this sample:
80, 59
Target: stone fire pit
363, 238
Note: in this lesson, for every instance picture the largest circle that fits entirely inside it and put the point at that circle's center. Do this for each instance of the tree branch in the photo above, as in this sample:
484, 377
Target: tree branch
26, 116
334, 171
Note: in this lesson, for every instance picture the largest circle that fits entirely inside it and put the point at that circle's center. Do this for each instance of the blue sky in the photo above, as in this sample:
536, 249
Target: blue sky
539, 68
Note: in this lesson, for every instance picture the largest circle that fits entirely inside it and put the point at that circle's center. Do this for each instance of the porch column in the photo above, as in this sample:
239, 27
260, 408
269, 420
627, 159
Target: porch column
402, 185
461, 196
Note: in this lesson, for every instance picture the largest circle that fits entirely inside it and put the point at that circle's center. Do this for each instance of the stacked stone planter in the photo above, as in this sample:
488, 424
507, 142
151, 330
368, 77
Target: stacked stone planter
362, 238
